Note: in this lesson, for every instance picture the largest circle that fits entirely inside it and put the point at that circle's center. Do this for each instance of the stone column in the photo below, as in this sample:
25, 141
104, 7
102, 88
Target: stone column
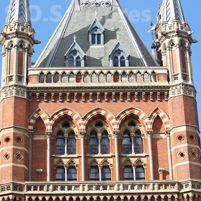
99, 143
132, 141
134, 173
48, 157
189, 65
179, 65
30, 154
117, 154
15, 66
100, 173
66, 172
83, 155
161, 173
169, 155
151, 156
25, 67
66, 145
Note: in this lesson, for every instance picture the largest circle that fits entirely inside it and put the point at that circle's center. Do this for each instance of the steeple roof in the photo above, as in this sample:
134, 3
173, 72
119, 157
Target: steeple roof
77, 21
172, 10
19, 11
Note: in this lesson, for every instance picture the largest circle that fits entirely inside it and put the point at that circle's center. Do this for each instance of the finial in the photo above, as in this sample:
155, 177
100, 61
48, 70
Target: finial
96, 14
118, 38
74, 38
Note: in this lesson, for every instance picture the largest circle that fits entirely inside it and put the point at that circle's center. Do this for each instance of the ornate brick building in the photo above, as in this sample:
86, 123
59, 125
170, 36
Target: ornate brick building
97, 117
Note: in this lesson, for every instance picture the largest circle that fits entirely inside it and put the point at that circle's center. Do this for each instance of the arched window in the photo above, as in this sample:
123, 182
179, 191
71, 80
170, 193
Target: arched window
115, 62
78, 62
94, 173
64, 78
128, 173
60, 143
96, 33
109, 78
78, 77
93, 143
75, 57
71, 145
72, 174
86, 77
106, 174
101, 78
41, 78
153, 77
146, 77
127, 144
71, 78
56, 78
60, 174
138, 143
124, 77
140, 175
49, 78
119, 56
105, 144
139, 77
94, 78
131, 77
122, 61
116, 77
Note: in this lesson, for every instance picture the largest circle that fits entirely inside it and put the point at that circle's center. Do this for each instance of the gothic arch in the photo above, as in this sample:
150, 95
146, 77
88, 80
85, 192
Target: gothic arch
39, 113
109, 117
163, 116
142, 117
76, 118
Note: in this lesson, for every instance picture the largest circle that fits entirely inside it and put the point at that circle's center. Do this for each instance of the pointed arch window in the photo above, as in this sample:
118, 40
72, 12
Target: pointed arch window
106, 173
94, 78
128, 173
109, 78
101, 78
139, 77
146, 77
42, 78
124, 77
96, 33
86, 77
71, 144
127, 143
60, 174
153, 77
93, 143
49, 78
94, 173
72, 174
60, 143
119, 57
140, 174
105, 144
138, 143
75, 56
56, 78
64, 78
131, 77
71, 78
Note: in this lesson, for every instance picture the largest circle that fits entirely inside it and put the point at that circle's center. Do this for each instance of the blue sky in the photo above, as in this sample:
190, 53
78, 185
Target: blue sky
47, 13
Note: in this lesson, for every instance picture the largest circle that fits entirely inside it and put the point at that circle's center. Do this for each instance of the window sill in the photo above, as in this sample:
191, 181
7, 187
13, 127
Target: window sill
134, 155
96, 46
99, 155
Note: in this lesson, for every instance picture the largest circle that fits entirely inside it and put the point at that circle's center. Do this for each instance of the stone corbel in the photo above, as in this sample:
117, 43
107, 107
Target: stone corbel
143, 96
158, 96
113, 96
75, 97
68, 97
30, 96
151, 96
60, 97
136, 96
106, 97
128, 96
45, 97
39, 171
37, 97
98, 96
52, 97
90, 96
166, 95
121, 96
83, 97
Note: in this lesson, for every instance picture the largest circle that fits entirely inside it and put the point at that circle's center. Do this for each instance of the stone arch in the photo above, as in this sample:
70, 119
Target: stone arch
39, 113
141, 116
57, 162
108, 161
74, 161
109, 117
163, 116
90, 163
75, 117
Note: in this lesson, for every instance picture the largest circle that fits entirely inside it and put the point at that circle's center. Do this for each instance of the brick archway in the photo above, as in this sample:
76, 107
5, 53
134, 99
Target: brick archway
99, 111
39, 113
163, 116
142, 117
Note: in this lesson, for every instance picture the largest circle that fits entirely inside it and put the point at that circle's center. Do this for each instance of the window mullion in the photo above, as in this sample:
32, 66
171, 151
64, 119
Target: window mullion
133, 149
134, 173
99, 145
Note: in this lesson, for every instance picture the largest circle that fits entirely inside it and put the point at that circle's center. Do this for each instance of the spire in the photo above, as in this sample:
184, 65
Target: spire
172, 10
19, 11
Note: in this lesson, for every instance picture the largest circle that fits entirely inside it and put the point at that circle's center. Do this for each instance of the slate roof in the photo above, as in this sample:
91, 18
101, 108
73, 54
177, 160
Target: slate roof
77, 21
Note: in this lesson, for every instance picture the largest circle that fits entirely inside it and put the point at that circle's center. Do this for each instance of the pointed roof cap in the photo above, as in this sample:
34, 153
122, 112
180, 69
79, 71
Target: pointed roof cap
19, 11
172, 10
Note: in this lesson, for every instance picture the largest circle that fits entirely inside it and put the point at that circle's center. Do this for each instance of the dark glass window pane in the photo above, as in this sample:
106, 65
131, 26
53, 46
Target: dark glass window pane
153, 77
56, 78
99, 125
127, 144
42, 78
105, 144
115, 62
60, 143
72, 174
65, 125
60, 174
93, 143
138, 143
124, 77
106, 174
49, 78
71, 62
93, 37
71, 145
131, 124
122, 61
140, 175
131, 77
94, 174
78, 62
99, 39
128, 173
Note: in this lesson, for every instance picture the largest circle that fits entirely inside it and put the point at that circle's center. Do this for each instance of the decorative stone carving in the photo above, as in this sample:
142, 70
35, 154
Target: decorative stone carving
121, 96
158, 96
68, 97
113, 97
106, 96
37, 97
52, 97
90, 96
98, 96
83, 97
136, 96
143, 96
128, 96
75, 97
45, 97
60, 97
151, 96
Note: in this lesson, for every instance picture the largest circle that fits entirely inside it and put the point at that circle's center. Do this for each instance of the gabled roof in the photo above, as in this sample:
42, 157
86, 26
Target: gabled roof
119, 47
75, 47
96, 24
19, 11
77, 21
172, 10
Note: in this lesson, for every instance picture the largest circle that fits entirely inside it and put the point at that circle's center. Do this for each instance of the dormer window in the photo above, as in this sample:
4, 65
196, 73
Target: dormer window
75, 56
119, 57
96, 33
